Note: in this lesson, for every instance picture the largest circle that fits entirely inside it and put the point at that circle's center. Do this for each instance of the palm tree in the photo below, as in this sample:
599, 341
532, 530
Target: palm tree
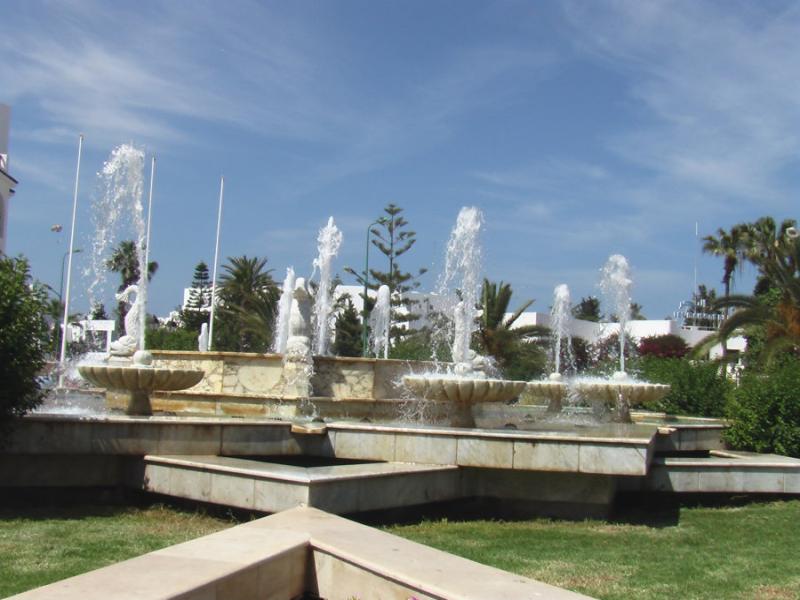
125, 261
495, 334
730, 245
776, 253
248, 297
773, 250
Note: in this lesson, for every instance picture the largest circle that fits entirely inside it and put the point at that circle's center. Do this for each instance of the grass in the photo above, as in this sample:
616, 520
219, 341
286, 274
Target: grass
747, 552
42, 545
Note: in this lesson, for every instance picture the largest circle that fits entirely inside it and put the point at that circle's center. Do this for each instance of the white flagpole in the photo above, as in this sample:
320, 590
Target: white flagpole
62, 357
216, 261
143, 277
696, 244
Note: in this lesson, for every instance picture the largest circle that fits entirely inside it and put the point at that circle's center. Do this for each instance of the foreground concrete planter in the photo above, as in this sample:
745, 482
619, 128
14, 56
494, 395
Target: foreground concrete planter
299, 551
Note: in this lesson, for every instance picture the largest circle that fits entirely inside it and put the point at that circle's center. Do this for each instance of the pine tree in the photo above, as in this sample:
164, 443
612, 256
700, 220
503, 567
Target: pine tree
199, 302
348, 331
391, 237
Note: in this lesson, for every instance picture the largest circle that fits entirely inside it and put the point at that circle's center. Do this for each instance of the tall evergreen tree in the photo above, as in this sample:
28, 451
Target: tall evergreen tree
199, 302
393, 239
348, 331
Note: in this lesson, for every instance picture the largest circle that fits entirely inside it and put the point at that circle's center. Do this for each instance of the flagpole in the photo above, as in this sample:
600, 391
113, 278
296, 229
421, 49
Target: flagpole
143, 277
216, 261
62, 357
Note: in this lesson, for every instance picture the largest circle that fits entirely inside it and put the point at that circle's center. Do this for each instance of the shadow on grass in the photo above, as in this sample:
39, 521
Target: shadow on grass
75, 503
664, 510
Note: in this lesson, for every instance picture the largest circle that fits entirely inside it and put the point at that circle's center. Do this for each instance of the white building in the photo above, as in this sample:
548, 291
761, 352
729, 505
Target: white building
7, 182
592, 332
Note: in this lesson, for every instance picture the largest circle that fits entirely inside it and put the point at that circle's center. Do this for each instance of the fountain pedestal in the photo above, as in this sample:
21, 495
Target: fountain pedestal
128, 386
462, 393
618, 393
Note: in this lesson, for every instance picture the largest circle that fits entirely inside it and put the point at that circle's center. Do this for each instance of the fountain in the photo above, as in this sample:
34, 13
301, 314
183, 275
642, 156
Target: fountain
554, 388
298, 363
468, 383
128, 373
284, 308
620, 391
380, 322
328, 242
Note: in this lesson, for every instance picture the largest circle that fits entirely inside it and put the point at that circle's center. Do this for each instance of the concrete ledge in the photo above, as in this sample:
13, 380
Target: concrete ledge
300, 550
270, 487
602, 451
725, 472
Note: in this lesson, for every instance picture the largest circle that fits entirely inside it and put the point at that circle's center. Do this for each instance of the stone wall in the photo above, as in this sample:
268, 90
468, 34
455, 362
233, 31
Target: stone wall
259, 375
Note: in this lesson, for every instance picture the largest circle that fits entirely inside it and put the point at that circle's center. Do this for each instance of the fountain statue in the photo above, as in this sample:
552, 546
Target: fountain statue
298, 364
468, 382
127, 344
203, 339
380, 323
127, 373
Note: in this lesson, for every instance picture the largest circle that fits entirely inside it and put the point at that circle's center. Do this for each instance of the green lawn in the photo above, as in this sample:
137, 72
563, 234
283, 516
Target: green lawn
42, 545
747, 551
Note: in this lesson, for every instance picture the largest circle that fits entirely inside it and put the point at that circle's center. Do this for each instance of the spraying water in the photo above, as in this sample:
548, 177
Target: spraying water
118, 214
560, 326
328, 242
615, 286
458, 285
284, 310
379, 323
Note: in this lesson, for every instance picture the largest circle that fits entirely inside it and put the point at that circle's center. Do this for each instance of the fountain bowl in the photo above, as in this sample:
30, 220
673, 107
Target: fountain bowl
618, 392
462, 393
129, 386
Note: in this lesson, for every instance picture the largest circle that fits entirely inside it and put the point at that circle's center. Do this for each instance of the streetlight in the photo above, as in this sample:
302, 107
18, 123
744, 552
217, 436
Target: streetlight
364, 324
59, 333
63, 265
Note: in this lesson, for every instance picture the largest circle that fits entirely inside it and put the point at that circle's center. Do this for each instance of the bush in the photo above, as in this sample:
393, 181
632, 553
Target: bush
765, 411
164, 338
698, 388
663, 346
24, 339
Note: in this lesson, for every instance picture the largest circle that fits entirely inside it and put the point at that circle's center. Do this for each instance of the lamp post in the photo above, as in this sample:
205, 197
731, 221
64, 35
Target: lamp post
59, 333
364, 315
63, 265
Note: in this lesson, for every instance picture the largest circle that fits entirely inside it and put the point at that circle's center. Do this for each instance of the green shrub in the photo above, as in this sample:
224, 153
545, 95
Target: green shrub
24, 339
164, 338
765, 411
698, 388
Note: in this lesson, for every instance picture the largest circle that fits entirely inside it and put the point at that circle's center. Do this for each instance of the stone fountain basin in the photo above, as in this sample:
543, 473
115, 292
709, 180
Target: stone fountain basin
463, 391
124, 377
635, 392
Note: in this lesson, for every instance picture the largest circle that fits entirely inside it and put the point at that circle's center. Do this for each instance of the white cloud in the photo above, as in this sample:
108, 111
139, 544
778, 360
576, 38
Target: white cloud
713, 94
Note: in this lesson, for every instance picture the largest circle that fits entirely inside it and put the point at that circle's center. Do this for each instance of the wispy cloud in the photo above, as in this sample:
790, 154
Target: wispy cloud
251, 66
713, 103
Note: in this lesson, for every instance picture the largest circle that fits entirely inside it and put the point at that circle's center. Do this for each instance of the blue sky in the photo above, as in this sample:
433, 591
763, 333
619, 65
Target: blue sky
581, 129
